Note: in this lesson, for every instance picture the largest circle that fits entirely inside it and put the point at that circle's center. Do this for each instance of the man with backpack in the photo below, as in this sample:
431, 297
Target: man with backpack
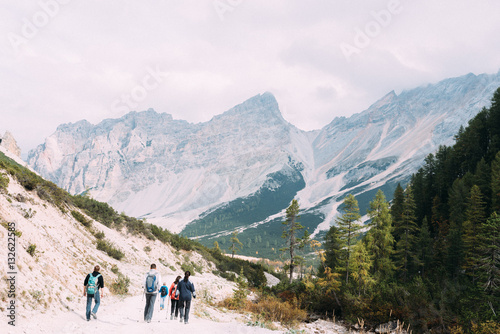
91, 286
151, 283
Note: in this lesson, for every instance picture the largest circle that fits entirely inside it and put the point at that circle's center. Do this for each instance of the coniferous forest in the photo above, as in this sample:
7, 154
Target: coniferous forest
432, 256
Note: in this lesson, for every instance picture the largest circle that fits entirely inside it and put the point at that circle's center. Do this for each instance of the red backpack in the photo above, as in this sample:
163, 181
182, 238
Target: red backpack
173, 290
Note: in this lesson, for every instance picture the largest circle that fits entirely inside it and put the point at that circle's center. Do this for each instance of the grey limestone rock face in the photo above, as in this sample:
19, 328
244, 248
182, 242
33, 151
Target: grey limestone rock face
9, 143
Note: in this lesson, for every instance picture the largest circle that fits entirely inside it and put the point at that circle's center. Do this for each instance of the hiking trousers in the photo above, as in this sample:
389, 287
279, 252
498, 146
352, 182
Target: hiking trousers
162, 301
175, 307
184, 307
150, 306
97, 299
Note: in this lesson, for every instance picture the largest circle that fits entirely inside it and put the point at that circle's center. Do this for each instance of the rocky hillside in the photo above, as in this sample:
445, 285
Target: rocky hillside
54, 252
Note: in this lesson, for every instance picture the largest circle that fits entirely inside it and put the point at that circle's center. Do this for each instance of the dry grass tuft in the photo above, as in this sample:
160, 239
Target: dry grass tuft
270, 309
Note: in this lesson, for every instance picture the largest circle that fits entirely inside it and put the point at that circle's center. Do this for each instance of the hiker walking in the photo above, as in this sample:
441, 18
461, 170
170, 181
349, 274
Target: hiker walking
91, 286
184, 290
163, 294
173, 299
151, 282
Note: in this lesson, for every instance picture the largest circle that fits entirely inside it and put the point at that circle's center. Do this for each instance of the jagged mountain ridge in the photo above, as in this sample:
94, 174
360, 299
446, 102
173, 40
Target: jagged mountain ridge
244, 166
129, 162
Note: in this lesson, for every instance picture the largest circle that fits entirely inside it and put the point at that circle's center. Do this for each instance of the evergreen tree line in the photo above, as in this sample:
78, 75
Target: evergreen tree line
432, 256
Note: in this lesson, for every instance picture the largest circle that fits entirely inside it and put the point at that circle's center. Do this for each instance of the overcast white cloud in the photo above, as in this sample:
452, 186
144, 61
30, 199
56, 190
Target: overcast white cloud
66, 60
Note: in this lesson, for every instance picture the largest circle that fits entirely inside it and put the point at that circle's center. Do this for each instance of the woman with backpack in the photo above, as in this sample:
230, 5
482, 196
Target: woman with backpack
173, 299
163, 294
185, 289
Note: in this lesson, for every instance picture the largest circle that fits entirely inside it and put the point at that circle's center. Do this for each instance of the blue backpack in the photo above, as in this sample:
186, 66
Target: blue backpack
151, 283
92, 284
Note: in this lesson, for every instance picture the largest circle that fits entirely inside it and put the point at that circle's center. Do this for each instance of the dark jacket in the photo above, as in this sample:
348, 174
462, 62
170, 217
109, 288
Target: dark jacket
185, 289
100, 280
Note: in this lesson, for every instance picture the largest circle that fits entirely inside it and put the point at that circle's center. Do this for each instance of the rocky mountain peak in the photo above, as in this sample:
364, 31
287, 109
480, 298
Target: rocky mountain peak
8, 141
261, 108
388, 98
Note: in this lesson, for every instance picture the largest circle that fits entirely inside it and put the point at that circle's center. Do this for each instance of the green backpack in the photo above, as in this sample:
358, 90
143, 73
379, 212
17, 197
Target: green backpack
92, 284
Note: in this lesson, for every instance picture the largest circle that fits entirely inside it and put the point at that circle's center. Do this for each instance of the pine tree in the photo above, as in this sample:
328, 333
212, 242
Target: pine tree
475, 218
360, 267
457, 201
489, 255
482, 178
404, 248
423, 248
440, 225
291, 227
379, 239
397, 208
333, 250
236, 245
241, 292
349, 229
495, 184
216, 247
494, 125
330, 284
429, 188
446, 172
472, 144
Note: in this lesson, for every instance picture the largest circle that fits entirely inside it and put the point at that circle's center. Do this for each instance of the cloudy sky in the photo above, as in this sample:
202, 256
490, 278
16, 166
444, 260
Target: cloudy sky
66, 60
